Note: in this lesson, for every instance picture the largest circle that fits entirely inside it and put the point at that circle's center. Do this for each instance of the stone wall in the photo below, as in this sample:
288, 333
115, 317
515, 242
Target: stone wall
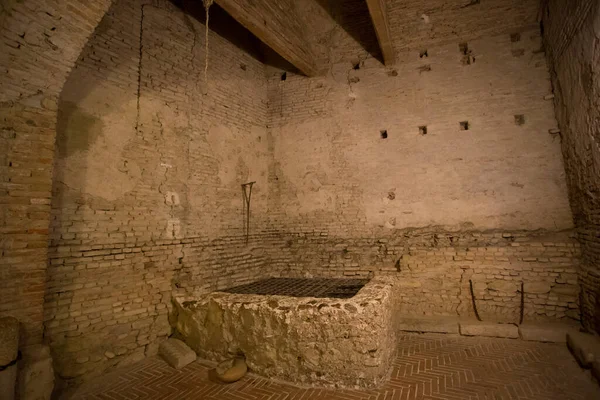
147, 198
321, 341
572, 38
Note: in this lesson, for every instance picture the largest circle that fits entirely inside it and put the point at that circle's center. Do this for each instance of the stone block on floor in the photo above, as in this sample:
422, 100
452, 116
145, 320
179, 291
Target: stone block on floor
176, 353
489, 329
555, 333
427, 324
36, 375
585, 347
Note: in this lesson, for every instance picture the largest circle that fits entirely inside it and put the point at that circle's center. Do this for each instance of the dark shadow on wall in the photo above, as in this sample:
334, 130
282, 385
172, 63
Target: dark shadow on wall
228, 28
353, 16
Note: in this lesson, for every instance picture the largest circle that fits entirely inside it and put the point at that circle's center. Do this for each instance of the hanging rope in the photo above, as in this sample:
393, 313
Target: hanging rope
207, 4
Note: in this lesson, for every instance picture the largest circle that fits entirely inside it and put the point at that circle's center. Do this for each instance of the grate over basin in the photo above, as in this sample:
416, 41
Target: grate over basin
302, 287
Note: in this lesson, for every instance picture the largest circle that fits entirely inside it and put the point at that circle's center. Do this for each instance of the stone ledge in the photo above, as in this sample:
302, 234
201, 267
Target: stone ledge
540, 332
488, 329
428, 324
555, 333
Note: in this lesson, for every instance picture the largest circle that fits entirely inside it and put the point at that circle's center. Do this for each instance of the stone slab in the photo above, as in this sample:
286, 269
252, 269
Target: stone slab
427, 324
555, 333
36, 377
9, 339
176, 353
585, 348
488, 329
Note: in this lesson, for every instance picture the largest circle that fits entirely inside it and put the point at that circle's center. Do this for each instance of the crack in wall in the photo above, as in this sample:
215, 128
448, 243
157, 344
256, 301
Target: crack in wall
139, 80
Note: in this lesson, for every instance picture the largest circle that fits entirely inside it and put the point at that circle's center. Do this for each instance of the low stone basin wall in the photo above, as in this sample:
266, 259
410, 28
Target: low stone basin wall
317, 341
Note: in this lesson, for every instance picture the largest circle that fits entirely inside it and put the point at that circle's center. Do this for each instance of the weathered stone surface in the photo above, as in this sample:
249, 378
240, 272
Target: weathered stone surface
537, 287
585, 347
556, 333
428, 324
36, 377
176, 353
305, 340
490, 329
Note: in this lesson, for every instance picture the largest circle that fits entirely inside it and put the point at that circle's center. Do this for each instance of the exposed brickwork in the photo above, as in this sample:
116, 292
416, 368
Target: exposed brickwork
40, 43
146, 196
573, 42
365, 153
428, 367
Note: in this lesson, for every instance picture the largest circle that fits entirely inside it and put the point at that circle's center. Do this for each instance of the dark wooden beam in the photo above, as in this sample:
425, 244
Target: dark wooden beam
276, 23
378, 11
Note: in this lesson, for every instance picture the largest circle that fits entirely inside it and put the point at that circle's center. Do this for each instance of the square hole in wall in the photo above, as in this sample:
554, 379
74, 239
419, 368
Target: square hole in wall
515, 37
423, 53
423, 130
383, 133
464, 48
519, 119
464, 125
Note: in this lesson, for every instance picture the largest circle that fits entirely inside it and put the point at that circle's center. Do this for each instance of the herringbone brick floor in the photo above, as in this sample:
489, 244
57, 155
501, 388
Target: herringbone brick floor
432, 367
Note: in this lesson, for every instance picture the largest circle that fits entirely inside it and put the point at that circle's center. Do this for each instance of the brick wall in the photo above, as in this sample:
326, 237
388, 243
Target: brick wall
572, 38
374, 173
40, 43
147, 195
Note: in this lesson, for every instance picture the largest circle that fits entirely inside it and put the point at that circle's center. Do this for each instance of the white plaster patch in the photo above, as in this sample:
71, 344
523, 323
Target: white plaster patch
173, 228
172, 199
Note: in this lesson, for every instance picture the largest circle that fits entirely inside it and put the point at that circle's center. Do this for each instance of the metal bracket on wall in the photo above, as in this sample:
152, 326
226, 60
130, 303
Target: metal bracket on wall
247, 192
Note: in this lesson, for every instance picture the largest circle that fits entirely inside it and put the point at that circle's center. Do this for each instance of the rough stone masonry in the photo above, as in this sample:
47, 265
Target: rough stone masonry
121, 165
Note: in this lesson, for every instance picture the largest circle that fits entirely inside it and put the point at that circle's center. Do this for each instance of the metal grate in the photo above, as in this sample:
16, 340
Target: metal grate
302, 287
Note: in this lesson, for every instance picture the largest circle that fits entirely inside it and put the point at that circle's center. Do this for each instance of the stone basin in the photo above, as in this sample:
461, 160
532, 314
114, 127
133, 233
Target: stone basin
317, 341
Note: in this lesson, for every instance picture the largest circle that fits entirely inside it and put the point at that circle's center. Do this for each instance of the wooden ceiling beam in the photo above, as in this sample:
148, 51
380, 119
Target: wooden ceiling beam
378, 11
276, 24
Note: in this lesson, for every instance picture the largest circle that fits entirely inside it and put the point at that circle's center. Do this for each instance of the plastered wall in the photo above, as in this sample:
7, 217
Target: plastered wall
366, 148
